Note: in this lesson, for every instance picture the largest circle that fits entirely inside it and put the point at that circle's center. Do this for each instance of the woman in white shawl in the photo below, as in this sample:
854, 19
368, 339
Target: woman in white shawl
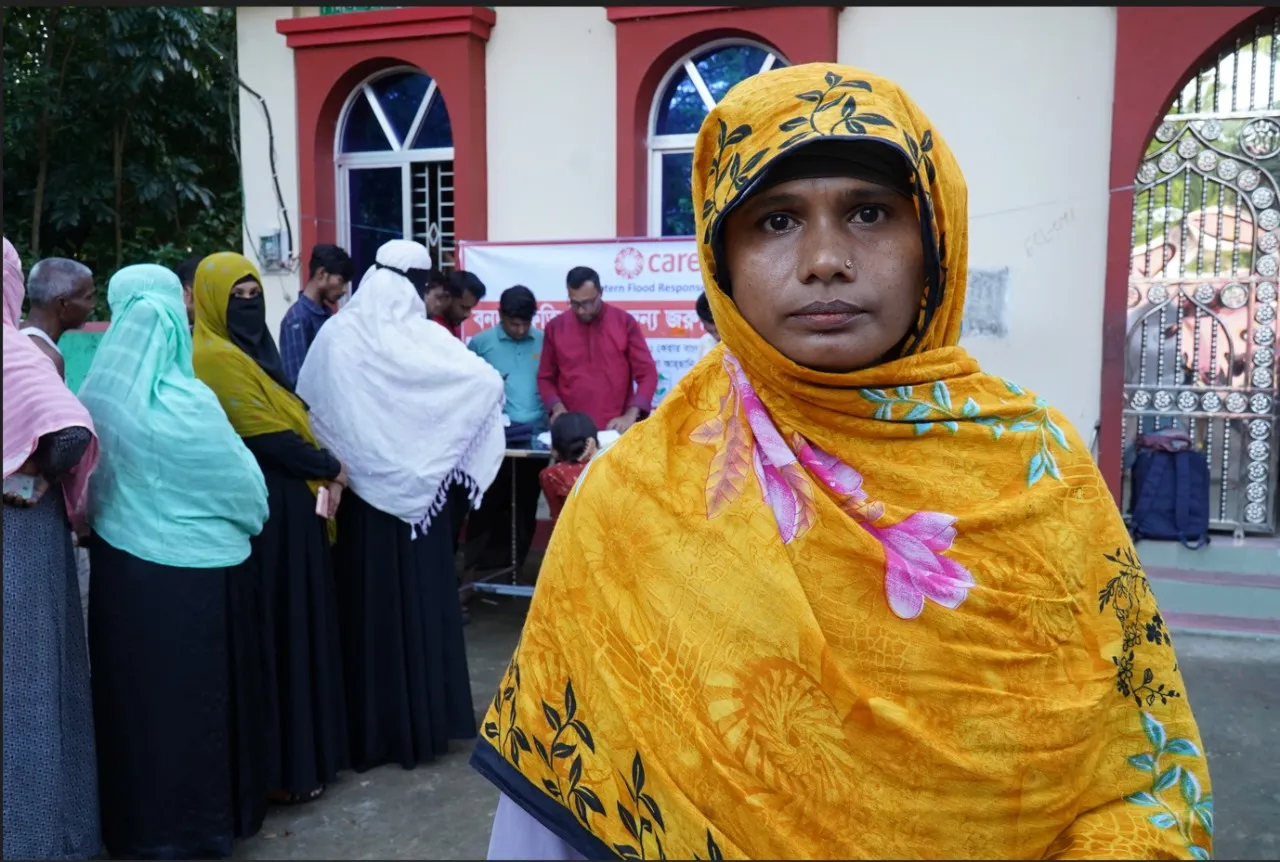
410, 411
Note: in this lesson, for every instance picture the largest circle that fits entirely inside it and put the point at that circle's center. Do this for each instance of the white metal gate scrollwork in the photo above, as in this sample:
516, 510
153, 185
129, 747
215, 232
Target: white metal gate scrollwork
1201, 348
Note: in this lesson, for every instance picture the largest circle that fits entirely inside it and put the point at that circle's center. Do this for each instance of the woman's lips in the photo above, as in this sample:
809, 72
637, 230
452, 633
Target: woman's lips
825, 321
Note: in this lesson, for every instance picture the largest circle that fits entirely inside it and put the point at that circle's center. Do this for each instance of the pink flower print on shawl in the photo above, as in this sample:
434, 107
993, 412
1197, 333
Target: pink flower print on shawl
782, 479
916, 567
841, 480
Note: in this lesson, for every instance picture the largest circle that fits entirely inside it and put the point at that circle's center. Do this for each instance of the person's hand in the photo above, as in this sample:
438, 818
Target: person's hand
342, 479
41, 485
557, 411
335, 497
623, 422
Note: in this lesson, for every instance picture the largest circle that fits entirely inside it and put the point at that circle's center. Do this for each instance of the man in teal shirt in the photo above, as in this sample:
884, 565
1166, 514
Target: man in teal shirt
514, 348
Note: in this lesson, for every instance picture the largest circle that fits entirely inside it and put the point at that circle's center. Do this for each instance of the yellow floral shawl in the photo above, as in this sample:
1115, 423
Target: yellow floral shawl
886, 614
253, 402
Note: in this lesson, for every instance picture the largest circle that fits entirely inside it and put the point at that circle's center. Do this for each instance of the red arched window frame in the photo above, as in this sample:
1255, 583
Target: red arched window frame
651, 38
1157, 49
334, 53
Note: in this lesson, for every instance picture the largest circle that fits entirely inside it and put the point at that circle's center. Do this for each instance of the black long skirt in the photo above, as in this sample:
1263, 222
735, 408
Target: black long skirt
175, 757
305, 706
408, 692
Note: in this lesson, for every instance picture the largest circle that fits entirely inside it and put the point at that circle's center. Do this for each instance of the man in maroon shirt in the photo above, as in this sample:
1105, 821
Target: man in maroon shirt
596, 360
451, 298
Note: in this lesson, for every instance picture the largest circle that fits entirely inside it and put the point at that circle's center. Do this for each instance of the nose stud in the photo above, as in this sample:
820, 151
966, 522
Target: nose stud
848, 264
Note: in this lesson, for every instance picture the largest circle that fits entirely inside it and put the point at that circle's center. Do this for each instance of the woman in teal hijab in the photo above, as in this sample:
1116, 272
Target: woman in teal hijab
172, 638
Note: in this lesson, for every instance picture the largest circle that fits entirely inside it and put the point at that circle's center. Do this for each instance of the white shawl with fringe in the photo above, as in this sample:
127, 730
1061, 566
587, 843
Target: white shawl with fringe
402, 402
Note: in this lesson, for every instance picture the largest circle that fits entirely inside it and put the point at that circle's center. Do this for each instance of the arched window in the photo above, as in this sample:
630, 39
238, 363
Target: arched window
394, 154
685, 97
1204, 271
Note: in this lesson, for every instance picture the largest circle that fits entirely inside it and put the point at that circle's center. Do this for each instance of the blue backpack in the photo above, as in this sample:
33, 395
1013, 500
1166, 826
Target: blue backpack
1169, 497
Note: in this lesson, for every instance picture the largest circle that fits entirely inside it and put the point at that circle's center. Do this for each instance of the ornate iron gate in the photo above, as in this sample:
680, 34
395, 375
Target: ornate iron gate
1201, 346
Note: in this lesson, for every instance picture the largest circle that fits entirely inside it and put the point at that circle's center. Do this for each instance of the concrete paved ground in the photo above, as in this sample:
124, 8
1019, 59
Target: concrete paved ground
444, 810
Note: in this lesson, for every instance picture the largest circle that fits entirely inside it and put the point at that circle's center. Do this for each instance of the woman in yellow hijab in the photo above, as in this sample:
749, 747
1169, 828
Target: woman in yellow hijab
304, 713
844, 595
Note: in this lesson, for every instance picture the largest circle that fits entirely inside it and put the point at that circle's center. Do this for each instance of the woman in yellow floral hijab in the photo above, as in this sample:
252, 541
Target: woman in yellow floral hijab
844, 595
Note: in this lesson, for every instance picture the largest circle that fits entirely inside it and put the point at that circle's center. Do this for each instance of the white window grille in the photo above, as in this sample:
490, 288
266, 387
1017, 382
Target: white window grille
394, 160
433, 210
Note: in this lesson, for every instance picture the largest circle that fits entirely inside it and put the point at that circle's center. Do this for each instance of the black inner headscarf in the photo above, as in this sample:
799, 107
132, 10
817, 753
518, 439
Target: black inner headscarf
419, 278
863, 160
872, 161
247, 328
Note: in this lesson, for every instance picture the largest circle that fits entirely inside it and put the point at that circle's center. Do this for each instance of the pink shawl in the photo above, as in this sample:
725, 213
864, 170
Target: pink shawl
36, 400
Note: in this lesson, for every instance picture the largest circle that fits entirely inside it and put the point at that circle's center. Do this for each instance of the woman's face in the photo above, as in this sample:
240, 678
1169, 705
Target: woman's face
788, 251
246, 288
246, 310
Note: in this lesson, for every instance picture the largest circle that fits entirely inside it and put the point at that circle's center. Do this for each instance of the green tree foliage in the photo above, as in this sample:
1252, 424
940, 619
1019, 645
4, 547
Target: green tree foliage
120, 134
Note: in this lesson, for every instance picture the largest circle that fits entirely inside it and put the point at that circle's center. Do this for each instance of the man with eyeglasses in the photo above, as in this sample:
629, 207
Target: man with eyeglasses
596, 360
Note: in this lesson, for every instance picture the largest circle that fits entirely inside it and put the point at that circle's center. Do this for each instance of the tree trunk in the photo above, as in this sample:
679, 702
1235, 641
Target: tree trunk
43, 135
42, 173
42, 145
119, 132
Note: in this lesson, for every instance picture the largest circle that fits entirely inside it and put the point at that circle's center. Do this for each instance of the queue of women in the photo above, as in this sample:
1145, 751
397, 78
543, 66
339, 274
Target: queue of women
843, 595
272, 597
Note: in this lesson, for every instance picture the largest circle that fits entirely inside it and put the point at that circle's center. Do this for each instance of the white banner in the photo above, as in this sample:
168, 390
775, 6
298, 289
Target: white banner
657, 281
632, 270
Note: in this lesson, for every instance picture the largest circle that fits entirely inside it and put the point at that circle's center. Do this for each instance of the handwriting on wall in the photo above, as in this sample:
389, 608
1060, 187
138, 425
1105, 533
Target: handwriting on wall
986, 304
1047, 234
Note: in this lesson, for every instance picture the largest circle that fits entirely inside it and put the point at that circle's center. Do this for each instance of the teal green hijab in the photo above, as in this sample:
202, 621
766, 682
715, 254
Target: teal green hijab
175, 485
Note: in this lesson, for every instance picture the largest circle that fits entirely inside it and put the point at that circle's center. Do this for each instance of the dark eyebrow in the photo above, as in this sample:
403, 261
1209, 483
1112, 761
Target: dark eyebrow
775, 200
864, 192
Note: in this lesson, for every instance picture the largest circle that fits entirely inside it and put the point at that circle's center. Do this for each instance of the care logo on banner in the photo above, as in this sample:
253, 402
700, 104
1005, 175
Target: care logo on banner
656, 280
629, 263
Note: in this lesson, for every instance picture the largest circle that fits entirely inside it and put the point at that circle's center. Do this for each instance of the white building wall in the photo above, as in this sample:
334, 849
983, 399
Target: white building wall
266, 65
551, 114
1023, 96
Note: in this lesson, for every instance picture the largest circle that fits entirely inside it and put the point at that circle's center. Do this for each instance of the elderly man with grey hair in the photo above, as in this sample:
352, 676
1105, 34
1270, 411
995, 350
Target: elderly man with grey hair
62, 296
